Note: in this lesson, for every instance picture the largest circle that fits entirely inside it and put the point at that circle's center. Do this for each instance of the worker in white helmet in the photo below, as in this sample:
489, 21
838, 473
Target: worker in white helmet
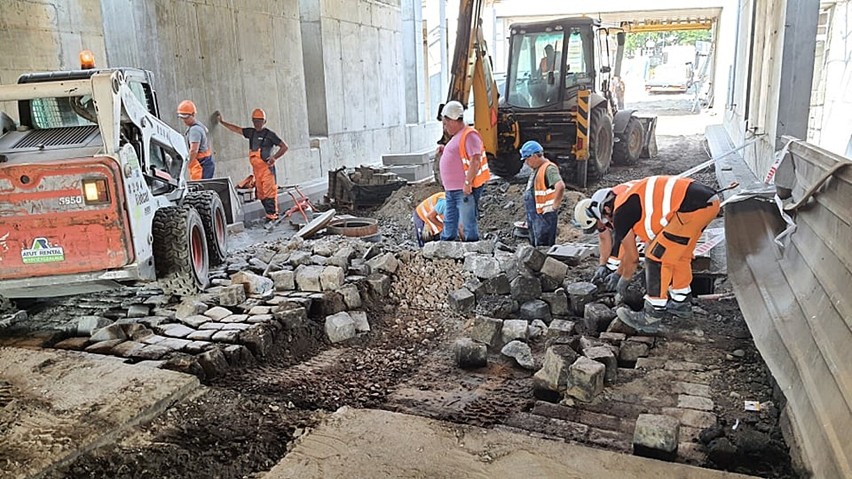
595, 214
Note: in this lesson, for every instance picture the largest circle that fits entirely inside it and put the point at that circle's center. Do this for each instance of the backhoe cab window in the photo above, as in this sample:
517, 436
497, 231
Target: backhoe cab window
535, 74
62, 112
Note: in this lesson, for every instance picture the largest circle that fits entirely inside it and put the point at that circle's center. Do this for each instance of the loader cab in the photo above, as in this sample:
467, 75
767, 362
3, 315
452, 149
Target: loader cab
549, 62
65, 121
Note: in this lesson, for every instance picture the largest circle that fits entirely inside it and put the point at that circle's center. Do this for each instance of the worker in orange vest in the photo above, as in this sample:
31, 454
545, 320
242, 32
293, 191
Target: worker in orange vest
261, 141
668, 213
464, 172
428, 218
595, 214
201, 166
543, 196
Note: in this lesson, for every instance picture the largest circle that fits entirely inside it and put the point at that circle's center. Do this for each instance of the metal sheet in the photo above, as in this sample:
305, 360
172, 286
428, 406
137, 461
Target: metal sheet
797, 303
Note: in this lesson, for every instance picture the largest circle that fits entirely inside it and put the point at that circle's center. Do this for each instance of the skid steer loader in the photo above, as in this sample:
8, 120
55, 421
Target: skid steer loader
92, 190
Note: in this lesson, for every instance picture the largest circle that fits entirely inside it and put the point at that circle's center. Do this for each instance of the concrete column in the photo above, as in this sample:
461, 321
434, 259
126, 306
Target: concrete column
412, 45
797, 69
445, 62
313, 63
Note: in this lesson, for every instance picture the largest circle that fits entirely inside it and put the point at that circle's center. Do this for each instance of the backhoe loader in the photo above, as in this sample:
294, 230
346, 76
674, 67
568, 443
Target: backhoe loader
557, 92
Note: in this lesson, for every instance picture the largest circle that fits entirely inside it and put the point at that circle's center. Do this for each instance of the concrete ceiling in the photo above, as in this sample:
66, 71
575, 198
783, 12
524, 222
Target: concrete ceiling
673, 17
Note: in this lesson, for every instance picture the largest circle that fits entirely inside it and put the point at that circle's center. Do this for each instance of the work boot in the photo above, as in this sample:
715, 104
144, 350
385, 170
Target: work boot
681, 309
648, 321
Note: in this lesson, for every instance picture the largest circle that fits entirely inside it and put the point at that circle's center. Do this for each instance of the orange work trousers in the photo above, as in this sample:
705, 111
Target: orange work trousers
267, 189
195, 170
670, 254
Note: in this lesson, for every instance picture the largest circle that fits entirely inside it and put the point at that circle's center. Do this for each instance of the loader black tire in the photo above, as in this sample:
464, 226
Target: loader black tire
505, 165
600, 143
6, 305
180, 251
629, 146
209, 206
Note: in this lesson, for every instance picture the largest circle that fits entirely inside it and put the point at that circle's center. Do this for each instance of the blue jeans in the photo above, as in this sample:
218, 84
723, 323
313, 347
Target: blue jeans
207, 167
418, 228
541, 227
460, 207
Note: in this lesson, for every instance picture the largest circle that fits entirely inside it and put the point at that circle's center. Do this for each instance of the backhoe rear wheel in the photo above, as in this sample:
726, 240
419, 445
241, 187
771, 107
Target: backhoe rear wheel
180, 251
505, 165
600, 143
209, 207
629, 146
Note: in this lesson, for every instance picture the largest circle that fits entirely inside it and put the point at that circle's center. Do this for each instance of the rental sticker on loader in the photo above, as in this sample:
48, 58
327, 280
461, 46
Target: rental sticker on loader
42, 252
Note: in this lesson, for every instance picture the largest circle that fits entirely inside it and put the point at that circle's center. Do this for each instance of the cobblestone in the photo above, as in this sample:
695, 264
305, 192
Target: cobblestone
691, 417
694, 402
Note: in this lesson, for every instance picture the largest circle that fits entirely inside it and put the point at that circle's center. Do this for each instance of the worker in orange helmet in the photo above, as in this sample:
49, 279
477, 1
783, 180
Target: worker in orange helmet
201, 166
261, 141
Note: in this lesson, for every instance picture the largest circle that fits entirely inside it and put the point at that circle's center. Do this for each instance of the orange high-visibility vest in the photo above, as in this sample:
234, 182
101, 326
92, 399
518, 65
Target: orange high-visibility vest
619, 189
484, 174
426, 207
660, 197
545, 197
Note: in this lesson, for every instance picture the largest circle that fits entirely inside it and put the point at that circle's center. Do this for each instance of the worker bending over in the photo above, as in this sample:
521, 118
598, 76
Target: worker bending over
595, 214
261, 140
669, 214
428, 218
201, 166
543, 195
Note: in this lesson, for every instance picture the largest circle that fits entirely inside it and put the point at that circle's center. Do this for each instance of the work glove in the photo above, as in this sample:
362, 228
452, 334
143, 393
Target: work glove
426, 235
611, 281
621, 287
600, 274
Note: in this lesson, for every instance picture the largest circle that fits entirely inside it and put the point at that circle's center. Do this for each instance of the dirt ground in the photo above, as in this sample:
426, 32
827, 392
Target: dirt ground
244, 423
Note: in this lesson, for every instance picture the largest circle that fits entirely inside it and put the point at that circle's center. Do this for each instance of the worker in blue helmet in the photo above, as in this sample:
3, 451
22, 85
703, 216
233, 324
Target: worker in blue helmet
543, 195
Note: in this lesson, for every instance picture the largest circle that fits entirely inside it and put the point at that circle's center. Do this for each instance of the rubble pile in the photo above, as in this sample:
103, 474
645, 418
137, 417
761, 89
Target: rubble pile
424, 284
526, 298
273, 293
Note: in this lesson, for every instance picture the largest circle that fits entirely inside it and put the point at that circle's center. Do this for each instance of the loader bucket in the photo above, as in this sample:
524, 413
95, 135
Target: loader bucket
796, 298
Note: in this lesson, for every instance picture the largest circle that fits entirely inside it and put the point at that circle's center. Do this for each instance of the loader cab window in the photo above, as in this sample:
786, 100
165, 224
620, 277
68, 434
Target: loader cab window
61, 112
576, 70
535, 68
162, 168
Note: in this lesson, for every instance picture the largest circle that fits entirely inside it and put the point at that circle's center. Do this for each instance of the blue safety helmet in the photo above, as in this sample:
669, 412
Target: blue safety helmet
530, 148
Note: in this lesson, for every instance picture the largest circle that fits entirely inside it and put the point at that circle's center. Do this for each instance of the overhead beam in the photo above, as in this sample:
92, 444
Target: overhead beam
662, 26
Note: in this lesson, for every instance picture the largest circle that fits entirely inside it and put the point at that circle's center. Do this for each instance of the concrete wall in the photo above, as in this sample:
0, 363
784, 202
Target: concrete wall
359, 94
231, 56
831, 101
336, 65
772, 81
46, 35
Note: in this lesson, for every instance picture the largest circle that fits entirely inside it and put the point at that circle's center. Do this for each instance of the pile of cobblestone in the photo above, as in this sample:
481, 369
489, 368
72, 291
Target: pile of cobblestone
272, 293
525, 296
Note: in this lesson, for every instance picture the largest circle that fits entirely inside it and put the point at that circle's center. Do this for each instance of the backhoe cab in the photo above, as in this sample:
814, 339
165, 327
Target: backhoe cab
93, 190
558, 92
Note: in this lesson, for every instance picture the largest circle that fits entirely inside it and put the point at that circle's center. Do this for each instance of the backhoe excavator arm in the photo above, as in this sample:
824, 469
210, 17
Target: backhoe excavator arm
471, 69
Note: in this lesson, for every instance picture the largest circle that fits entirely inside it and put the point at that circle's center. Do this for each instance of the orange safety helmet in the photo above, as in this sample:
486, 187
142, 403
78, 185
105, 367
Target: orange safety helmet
258, 114
186, 107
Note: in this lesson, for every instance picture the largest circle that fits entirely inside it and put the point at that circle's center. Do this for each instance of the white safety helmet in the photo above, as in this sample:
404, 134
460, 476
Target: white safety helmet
599, 199
582, 215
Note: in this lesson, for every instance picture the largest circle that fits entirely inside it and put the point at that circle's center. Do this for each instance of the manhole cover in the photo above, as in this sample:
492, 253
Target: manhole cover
355, 227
